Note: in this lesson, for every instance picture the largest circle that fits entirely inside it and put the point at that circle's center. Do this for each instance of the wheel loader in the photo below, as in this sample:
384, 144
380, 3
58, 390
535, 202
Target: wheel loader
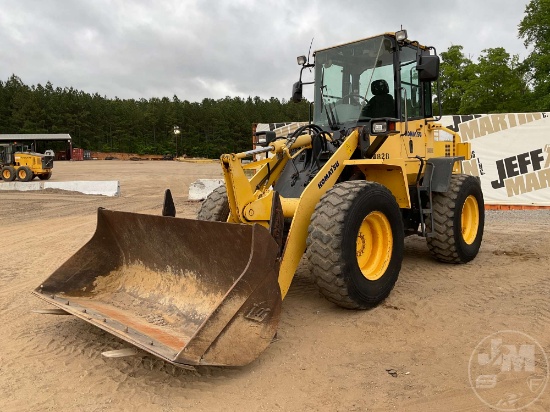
24, 165
370, 168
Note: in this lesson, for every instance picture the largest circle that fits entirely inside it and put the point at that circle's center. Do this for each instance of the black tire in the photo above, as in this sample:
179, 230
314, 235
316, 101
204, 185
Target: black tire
24, 174
45, 176
454, 241
334, 236
215, 207
8, 173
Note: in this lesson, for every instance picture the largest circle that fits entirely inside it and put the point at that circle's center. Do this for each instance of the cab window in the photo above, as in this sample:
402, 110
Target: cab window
411, 101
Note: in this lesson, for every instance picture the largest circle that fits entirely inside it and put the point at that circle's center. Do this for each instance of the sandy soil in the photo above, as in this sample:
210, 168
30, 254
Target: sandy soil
411, 353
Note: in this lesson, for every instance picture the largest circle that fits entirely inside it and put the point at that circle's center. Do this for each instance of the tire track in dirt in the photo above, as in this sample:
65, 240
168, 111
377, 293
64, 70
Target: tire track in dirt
64, 222
324, 358
71, 222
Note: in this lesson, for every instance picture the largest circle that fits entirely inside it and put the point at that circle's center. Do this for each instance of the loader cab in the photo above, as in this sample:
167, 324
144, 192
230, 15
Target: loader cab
378, 77
6, 154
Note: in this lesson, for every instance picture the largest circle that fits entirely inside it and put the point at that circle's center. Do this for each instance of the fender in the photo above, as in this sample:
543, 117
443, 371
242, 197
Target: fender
439, 170
388, 172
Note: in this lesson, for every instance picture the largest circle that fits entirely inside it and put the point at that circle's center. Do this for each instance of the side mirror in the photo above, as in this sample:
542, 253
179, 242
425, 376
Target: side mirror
428, 68
297, 92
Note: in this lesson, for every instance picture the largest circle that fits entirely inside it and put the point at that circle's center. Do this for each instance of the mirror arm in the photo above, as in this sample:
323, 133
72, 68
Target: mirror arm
438, 118
439, 104
406, 115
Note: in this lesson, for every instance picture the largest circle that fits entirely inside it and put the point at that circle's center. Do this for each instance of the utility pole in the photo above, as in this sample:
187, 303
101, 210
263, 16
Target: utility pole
177, 131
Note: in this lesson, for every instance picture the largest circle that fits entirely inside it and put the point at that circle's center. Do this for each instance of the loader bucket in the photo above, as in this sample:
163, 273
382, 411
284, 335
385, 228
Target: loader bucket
190, 292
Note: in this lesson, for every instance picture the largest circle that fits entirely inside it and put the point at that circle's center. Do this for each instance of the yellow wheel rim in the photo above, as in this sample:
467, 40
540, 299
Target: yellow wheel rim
6, 174
374, 245
470, 219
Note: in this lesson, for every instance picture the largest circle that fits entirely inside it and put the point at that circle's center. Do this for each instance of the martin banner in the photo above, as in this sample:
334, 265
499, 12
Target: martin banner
510, 154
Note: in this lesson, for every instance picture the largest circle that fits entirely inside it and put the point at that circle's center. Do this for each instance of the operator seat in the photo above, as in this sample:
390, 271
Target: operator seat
381, 104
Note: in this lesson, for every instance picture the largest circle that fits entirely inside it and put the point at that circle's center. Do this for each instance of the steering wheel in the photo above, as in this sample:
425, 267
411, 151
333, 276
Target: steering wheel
354, 95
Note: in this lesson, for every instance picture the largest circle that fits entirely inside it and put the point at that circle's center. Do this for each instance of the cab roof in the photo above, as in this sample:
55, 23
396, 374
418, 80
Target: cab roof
388, 34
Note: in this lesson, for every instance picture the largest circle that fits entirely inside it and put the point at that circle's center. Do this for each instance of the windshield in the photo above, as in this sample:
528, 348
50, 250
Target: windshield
354, 82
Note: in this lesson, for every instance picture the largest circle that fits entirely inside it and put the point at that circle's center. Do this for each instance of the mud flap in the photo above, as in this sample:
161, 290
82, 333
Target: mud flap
190, 292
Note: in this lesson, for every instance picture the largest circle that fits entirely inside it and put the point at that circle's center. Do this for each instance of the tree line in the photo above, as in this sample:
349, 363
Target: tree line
206, 129
499, 82
496, 83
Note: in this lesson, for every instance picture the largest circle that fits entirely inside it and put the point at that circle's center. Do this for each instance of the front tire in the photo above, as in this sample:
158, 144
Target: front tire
45, 176
355, 244
459, 217
215, 207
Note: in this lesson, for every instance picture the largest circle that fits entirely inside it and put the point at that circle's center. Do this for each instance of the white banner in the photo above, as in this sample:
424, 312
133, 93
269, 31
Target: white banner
512, 155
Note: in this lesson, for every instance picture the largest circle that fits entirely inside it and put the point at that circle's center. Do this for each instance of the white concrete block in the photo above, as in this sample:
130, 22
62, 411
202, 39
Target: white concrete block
88, 187
105, 188
199, 189
21, 186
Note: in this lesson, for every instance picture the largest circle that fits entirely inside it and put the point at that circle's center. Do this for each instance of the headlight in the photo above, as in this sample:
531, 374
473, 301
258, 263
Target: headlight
379, 127
265, 137
401, 35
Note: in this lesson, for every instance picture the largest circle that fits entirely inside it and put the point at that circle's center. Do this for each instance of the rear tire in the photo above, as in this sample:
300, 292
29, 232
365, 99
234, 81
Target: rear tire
24, 174
355, 244
459, 217
8, 174
215, 207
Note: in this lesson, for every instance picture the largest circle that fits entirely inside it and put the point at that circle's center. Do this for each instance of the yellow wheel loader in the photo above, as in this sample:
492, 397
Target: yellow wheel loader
24, 165
372, 167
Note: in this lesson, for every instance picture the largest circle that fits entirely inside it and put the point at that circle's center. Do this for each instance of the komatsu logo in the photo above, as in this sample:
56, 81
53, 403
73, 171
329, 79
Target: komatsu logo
329, 174
410, 133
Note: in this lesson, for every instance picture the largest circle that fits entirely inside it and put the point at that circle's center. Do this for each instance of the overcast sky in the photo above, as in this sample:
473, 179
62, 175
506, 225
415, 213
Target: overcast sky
216, 48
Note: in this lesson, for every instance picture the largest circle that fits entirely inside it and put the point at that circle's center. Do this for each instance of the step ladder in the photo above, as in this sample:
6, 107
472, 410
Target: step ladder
426, 187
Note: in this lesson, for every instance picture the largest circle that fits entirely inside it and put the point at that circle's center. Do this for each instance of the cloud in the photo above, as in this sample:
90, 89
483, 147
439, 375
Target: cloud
209, 49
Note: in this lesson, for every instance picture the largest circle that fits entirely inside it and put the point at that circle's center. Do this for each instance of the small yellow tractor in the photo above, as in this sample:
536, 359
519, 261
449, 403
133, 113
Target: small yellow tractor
24, 165
372, 167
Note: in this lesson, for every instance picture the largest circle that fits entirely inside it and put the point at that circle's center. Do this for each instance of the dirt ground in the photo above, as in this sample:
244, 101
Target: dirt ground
411, 353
